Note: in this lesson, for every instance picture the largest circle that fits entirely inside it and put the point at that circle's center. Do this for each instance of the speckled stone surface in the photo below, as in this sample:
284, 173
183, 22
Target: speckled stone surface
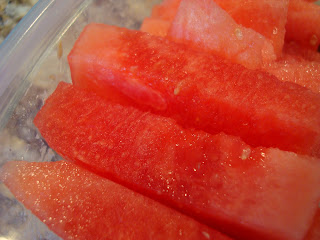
11, 12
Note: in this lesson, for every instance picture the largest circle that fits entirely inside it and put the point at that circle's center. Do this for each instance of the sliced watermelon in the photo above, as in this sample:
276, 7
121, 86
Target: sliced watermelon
267, 17
166, 10
161, 18
249, 193
205, 25
197, 89
294, 68
155, 26
294, 49
303, 23
314, 232
77, 204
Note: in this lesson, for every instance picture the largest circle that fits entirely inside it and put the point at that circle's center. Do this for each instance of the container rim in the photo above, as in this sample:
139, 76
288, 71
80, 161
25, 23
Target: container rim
26, 44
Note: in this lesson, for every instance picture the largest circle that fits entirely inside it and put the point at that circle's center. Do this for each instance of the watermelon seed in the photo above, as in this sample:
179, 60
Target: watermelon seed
245, 153
207, 235
275, 31
176, 91
238, 33
313, 40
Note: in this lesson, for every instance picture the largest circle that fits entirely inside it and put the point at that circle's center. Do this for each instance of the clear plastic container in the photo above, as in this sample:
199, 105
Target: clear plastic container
33, 61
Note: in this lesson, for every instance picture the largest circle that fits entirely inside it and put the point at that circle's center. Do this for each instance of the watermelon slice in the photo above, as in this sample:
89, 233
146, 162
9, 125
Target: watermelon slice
294, 49
205, 25
294, 68
155, 26
267, 17
314, 232
249, 193
166, 10
77, 204
197, 89
161, 18
303, 23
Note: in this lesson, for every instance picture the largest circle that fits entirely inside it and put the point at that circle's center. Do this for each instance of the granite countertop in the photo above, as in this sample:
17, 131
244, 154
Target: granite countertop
11, 12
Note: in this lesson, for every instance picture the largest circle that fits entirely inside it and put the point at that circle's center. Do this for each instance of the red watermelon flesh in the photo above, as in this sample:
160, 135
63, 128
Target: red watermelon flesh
155, 26
205, 25
78, 204
296, 69
267, 17
303, 23
314, 232
197, 89
249, 193
294, 49
166, 10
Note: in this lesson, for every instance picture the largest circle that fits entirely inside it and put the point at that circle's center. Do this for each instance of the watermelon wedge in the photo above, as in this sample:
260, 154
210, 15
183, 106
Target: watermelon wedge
294, 49
77, 204
197, 89
161, 18
166, 10
294, 68
205, 25
248, 193
267, 17
303, 23
314, 232
155, 26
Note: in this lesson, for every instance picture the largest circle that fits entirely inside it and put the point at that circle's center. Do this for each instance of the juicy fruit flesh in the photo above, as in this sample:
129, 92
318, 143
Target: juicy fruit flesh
197, 89
267, 17
314, 232
303, 24
78, 204
155, 26
295, 69
205, 25
294, 49
217, 179
292, 63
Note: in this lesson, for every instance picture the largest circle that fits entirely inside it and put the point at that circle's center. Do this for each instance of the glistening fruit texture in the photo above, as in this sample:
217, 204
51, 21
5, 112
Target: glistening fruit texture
203, 125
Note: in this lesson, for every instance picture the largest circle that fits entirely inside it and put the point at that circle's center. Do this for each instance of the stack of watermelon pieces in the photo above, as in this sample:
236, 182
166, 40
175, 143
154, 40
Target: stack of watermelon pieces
203, 125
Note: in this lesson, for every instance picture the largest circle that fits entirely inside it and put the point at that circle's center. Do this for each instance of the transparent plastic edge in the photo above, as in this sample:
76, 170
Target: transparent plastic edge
26, 44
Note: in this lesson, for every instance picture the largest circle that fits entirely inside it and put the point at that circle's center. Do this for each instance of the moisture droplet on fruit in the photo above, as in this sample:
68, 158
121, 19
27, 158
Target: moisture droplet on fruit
275, 31
238, 33
313, 40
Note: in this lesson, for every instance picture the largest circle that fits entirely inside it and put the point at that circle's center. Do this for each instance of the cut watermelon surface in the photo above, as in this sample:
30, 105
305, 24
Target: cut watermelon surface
303, 23
294, 68
161, 18
166, 10
155, 26
205, 25
249, 193
267, 17
294, 49
77, 204
197, 89
314, 232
